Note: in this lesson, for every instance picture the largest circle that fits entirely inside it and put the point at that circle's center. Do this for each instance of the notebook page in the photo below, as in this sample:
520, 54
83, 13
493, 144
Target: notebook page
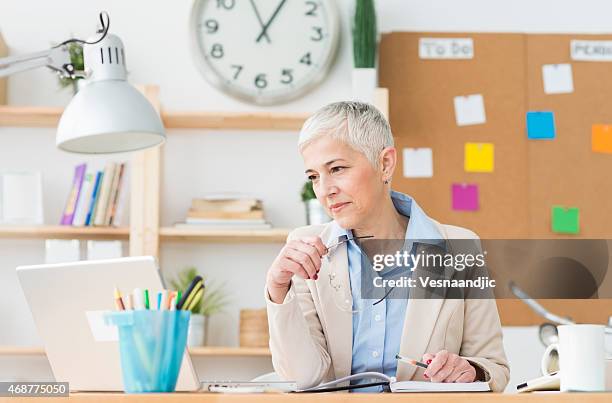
419, 386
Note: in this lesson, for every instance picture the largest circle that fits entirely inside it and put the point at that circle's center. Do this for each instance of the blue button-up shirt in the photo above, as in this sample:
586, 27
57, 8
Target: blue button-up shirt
377, 329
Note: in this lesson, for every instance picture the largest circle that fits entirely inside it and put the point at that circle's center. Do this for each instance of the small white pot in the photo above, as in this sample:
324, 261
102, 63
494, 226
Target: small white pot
195, 332
315, 213
365, 81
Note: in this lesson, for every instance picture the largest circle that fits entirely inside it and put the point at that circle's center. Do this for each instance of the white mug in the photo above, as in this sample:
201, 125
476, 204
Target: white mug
581, 358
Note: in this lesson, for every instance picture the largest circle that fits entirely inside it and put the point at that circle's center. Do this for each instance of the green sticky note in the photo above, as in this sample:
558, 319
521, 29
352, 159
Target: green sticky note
565, 220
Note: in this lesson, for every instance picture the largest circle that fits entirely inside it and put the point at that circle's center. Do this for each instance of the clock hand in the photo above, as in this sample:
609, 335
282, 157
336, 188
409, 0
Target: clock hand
261, 23
265, 27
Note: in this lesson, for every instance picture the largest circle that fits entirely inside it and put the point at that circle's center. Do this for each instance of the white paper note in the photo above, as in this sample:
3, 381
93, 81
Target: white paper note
446, 48
558, 78
418, 163
470, 110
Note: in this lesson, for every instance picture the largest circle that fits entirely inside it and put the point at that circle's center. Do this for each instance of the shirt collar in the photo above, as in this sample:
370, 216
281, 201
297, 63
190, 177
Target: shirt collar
421, 228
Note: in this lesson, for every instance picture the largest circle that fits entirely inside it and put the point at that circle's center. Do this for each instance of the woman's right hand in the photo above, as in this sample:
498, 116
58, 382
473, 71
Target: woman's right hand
300, 257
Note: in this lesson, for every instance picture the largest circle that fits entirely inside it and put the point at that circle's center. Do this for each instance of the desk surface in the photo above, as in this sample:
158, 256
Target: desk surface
327, 398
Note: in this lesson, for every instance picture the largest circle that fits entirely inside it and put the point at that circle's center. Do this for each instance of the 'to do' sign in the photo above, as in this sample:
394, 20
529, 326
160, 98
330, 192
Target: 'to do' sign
446, 48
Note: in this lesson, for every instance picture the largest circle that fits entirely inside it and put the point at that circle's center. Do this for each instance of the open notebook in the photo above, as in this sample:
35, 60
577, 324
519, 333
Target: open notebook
417, 386
402, 386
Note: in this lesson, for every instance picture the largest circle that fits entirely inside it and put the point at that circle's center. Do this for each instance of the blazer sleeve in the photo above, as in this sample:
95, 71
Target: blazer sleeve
297, 341
483, 342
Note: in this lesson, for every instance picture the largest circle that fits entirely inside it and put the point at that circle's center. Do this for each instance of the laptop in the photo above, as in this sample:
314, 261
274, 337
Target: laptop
68, 300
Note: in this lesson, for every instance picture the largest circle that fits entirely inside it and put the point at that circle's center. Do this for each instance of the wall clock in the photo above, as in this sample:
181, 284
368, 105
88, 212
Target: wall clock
265, 51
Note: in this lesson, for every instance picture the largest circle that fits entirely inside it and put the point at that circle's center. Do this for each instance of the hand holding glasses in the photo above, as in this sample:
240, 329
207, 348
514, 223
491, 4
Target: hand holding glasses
301, 257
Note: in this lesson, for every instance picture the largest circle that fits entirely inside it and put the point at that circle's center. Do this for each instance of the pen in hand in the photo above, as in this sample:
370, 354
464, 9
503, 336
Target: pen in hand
411, 361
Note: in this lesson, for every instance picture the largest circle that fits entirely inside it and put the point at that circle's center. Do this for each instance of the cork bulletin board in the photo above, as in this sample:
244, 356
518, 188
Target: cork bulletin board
566, 170
529, 176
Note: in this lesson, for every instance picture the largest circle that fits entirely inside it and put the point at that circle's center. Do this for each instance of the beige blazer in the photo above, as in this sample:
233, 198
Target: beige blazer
311, 338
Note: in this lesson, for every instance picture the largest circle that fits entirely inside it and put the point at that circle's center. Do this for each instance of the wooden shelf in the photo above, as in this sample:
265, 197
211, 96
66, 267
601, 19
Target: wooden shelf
232, 120
17, 116
194, 352
63, 232
19, 350
28, 116
229, 352
276, 235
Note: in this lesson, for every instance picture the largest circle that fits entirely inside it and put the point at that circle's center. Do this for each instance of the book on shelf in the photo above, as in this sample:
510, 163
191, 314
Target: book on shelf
82, 208
229, 215
225, 211
105, 189
114, 194
227, 196
222, 227
97, 197
227, 222
94, 198
111, 195
121, 207
226, 205
73, 196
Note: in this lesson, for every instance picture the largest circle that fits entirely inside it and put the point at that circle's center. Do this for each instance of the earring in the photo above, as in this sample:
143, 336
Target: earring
386, 181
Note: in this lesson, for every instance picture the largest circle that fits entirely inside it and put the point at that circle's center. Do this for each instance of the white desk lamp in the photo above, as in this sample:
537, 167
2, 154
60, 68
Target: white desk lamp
107, 115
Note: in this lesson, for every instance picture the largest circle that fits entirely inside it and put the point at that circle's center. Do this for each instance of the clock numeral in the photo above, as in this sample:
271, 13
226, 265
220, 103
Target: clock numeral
226, 4
287, 76
306, 59
260, 81
313, 8
212, 26
217, 51
319, 36
238, 70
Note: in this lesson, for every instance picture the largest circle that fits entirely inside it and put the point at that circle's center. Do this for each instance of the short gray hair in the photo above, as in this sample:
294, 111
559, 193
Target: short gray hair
360, 125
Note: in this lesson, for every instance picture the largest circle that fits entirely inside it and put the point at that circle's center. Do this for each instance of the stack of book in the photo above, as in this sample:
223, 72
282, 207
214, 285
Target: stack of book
97, 198
224, 212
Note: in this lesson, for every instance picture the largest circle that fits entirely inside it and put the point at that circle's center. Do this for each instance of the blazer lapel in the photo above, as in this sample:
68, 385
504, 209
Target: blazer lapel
419, 323
335, 293
420, 320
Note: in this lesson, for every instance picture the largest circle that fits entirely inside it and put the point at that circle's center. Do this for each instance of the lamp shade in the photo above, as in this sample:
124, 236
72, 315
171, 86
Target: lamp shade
108, 115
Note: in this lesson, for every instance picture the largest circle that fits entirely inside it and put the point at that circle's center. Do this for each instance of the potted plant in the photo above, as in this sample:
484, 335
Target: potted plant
213, 301
365, 78
75, 50
315, 213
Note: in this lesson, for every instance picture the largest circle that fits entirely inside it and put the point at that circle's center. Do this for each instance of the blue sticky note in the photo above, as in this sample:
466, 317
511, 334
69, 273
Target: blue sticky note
540, 125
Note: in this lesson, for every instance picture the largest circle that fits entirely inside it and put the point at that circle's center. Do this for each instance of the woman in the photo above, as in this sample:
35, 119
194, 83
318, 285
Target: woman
320, 327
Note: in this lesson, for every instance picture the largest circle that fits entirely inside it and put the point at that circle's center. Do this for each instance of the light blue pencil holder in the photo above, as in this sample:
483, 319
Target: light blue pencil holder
151, 344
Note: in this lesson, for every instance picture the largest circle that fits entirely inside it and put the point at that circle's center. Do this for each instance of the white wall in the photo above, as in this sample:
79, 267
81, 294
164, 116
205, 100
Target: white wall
267, 164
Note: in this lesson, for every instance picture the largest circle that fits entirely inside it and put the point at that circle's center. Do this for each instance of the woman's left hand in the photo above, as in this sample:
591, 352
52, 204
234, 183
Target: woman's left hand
448, 367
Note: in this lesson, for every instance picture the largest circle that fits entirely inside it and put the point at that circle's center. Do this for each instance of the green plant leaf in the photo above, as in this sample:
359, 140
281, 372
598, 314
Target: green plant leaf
75, 50
214, 298
364, 34
308, 192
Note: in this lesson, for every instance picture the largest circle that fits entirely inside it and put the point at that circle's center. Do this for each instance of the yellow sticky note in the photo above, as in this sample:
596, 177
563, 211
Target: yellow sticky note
479, 157
601, 139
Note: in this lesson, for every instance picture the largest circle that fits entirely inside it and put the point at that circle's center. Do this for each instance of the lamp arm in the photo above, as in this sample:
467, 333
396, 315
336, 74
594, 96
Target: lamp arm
539, 309
57, 59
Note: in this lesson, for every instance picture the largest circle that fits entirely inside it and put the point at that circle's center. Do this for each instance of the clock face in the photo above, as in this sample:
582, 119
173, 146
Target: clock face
265, 51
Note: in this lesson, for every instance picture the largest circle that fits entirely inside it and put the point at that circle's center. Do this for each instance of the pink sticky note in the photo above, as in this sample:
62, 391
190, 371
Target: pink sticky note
465, 197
